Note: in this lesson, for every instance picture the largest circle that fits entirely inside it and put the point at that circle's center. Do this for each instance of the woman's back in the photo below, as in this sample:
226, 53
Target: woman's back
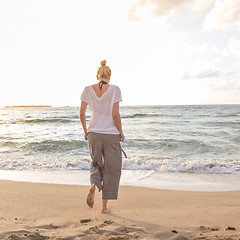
99, 92
101, 104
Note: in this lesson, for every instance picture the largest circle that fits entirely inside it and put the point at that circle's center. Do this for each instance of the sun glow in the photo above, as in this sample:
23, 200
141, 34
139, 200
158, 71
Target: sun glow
157, 56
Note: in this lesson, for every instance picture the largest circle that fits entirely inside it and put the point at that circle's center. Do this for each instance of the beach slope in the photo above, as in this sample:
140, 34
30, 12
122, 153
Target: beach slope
36, 211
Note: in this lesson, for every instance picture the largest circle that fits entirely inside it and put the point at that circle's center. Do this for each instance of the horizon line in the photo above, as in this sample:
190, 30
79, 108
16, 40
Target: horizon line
125, 105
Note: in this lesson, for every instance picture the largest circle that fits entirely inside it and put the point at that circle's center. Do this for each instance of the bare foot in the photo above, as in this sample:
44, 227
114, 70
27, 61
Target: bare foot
90, 196
105, 210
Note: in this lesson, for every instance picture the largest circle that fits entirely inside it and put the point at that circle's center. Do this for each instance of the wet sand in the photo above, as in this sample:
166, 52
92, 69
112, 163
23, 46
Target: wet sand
37, 211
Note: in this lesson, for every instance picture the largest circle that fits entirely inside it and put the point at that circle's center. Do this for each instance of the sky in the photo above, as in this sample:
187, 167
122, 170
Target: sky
161, 52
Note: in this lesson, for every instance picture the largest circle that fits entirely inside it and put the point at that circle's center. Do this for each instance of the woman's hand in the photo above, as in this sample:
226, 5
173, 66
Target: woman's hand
85, 135
122, 137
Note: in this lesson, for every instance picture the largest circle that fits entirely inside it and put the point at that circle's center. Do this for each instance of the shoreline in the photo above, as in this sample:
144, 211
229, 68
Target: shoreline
135, 178
37, 211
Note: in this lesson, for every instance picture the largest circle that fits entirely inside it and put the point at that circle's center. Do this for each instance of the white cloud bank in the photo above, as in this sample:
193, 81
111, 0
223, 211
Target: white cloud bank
156, 8
208, 73
225, 14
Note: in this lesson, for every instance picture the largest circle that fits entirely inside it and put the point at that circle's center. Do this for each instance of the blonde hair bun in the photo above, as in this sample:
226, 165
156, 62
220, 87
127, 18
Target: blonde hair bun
103, 63
103, 71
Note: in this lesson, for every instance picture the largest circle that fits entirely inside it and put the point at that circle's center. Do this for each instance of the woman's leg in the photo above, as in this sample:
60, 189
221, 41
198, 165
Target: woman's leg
105, 176
95, 149
112, 166
104, 206
90, 196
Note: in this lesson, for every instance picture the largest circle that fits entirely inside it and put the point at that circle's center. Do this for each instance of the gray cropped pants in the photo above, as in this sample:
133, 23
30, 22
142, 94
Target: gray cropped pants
105, 172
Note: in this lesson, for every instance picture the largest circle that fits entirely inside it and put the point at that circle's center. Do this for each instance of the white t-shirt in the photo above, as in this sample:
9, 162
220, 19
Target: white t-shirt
101, 109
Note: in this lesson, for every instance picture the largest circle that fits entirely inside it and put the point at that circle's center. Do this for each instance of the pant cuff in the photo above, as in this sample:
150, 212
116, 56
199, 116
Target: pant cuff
109, 195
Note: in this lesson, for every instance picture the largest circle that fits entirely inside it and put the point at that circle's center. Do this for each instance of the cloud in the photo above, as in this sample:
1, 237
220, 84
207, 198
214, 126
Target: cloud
233, 47
209, 73
157, 8
154, 8
198, 6
226, 13
231, 50
186, 76
231, 72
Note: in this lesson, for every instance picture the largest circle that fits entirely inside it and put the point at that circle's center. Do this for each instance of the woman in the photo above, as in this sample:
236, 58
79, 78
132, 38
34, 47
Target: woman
103, 135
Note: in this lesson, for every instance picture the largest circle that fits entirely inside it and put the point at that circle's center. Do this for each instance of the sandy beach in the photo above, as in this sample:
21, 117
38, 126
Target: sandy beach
37, 211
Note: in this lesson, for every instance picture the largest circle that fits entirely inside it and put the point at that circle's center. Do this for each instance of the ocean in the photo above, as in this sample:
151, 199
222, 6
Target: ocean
176, 145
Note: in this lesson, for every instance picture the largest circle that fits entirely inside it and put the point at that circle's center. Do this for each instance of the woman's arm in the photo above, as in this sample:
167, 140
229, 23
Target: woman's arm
117, 119
82, 116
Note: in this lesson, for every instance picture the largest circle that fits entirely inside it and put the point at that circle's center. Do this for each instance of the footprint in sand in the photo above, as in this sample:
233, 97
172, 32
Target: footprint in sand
85, 220
24, 235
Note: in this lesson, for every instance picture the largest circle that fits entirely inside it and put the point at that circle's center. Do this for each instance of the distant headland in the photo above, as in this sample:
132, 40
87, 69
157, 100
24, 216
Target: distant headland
27, 106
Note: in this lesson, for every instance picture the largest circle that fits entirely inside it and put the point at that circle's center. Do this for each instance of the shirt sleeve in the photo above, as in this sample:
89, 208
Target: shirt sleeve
84, 95
117, 95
